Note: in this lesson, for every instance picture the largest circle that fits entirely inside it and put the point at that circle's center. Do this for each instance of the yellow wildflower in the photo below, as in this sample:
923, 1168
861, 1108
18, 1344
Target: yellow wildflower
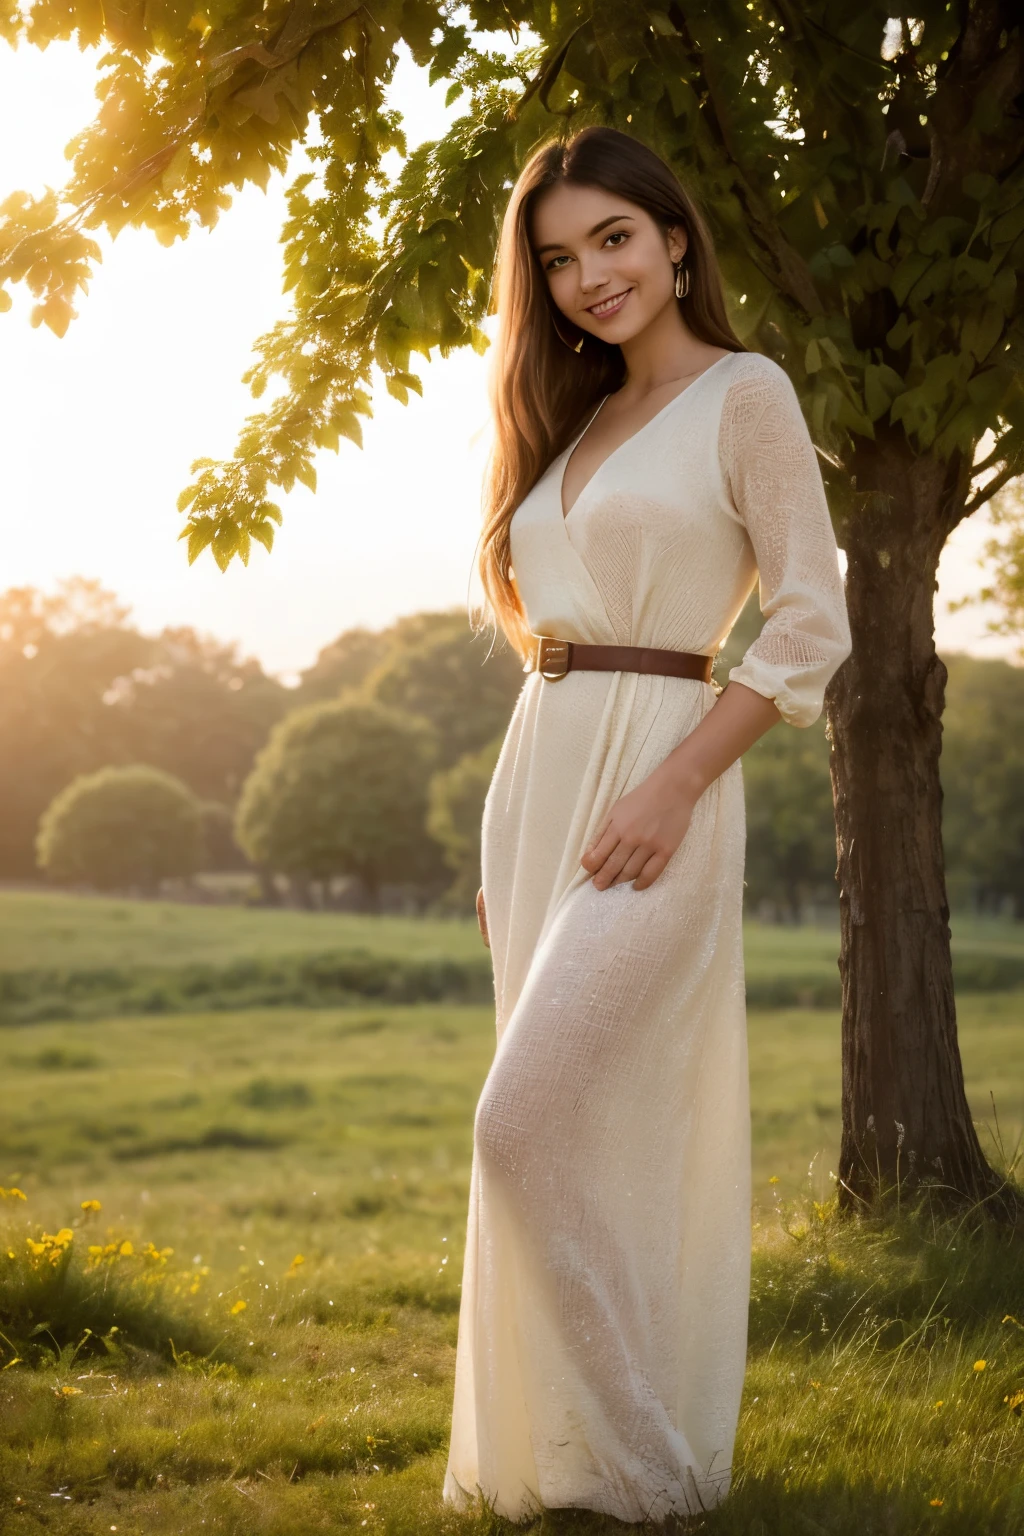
13, 1194
936, 1503
979, 1365
91, 1205
239, 1306
51, 1245
774, 1179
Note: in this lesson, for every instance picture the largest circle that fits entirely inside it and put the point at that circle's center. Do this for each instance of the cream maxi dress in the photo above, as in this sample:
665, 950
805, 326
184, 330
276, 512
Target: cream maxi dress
603, 1323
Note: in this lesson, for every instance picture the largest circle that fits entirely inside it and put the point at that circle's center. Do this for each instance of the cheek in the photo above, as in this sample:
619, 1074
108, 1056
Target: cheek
562, 286
650, 268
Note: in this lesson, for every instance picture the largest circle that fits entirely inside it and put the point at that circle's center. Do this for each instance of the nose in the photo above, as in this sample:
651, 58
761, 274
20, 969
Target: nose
591, 277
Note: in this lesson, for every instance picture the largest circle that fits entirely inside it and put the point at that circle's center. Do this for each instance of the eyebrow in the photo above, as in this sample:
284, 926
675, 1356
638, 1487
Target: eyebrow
540, 249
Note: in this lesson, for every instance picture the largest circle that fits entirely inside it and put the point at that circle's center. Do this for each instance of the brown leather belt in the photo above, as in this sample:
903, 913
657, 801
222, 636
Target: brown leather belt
553, 658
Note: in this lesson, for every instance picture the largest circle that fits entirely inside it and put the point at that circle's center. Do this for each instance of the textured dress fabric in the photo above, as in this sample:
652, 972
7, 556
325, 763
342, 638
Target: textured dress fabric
603, 1318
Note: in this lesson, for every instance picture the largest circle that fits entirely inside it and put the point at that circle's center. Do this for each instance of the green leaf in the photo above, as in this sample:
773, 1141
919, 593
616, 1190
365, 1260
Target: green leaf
979, 186
910, 269
981, 332
200, 535
881, 386
225, 543
263, 533
840, 257
661, 24
349, 425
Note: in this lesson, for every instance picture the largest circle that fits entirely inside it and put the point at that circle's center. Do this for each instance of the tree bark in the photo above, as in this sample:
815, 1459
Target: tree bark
906, 1120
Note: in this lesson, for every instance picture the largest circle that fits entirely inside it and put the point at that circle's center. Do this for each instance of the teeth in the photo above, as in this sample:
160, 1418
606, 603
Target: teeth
599, 309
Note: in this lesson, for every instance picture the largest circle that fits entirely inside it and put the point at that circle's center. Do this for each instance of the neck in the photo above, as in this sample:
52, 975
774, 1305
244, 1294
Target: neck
662, 352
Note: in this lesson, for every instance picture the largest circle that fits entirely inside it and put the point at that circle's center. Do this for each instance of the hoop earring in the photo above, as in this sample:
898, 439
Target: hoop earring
573, 346
682, 279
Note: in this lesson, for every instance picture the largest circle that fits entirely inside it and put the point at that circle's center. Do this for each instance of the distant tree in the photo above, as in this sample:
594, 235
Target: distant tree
220, 851
197, 708
345, 663
81, 689
983, 777
341, 789
436, 667
121, 828
455, 815
60, 655
1004, 553
791, 833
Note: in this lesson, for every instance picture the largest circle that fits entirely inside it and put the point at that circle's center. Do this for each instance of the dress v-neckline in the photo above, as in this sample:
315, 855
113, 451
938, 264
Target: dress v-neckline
568, 452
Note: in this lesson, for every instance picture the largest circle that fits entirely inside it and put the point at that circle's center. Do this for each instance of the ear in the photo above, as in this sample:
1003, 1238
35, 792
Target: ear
677, 241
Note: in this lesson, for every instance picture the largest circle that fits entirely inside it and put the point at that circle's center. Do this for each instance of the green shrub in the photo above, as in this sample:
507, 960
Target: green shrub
121, 828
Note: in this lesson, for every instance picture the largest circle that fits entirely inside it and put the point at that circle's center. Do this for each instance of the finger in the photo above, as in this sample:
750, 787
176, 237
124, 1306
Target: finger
481, 917
599, 851
650, 872
612, 864
633, 865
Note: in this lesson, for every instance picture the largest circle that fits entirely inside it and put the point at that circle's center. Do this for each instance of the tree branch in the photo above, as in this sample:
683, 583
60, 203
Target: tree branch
989, 489
791, 273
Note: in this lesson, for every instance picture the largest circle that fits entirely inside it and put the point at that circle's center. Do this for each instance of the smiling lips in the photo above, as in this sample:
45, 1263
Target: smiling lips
609, 306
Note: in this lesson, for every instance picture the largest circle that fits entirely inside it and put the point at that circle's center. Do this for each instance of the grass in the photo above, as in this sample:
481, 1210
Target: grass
72, 957
313, 1165
39, 930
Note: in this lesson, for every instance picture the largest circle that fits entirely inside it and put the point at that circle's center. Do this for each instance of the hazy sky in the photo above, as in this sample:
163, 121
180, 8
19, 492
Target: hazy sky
99, 428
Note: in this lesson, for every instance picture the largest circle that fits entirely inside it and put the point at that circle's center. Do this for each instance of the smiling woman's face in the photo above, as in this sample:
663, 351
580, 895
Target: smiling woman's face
607, 263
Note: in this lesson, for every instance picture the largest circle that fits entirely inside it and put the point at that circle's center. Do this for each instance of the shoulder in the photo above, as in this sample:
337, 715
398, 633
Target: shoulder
758, 391
752, 373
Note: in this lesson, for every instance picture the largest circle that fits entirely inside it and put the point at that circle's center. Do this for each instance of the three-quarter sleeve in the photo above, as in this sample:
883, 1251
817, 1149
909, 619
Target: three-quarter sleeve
775, 490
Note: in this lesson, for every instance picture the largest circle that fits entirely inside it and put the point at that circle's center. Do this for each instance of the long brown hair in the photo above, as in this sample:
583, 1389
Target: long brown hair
541, 389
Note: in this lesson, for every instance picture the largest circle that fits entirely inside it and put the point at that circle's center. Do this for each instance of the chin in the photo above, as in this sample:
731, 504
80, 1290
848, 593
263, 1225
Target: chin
616, 335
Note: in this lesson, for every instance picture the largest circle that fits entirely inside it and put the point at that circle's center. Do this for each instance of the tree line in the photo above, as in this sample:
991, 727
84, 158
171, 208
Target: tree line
128, 759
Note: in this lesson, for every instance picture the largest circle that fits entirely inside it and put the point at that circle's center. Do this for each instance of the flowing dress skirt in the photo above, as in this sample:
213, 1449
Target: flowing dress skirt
603, 1324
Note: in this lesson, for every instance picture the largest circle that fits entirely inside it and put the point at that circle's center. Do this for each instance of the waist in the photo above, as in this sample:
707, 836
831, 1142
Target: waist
553, 658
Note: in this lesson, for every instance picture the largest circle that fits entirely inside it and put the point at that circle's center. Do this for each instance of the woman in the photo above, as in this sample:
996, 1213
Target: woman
646, 470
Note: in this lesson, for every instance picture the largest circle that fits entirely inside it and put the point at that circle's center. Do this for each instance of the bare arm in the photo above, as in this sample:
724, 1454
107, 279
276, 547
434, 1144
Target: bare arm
739, 718
647, 825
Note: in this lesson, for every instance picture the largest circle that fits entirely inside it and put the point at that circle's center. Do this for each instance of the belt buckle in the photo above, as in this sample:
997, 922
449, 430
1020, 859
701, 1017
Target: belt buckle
552, 657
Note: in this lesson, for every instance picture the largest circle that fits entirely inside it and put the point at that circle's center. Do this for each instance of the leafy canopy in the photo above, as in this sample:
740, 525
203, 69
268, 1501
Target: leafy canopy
120, 828
862, 174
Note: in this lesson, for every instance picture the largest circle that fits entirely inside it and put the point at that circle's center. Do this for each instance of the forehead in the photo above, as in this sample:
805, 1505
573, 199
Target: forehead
564, 214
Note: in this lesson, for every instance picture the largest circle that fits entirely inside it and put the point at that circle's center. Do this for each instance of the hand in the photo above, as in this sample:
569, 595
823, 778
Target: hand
481, 916
641, 833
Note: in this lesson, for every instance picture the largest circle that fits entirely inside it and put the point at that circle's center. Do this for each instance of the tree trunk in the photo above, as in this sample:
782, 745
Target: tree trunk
906, 1118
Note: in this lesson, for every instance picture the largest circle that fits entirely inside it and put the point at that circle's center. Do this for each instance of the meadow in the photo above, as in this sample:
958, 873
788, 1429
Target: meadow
229, 1275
